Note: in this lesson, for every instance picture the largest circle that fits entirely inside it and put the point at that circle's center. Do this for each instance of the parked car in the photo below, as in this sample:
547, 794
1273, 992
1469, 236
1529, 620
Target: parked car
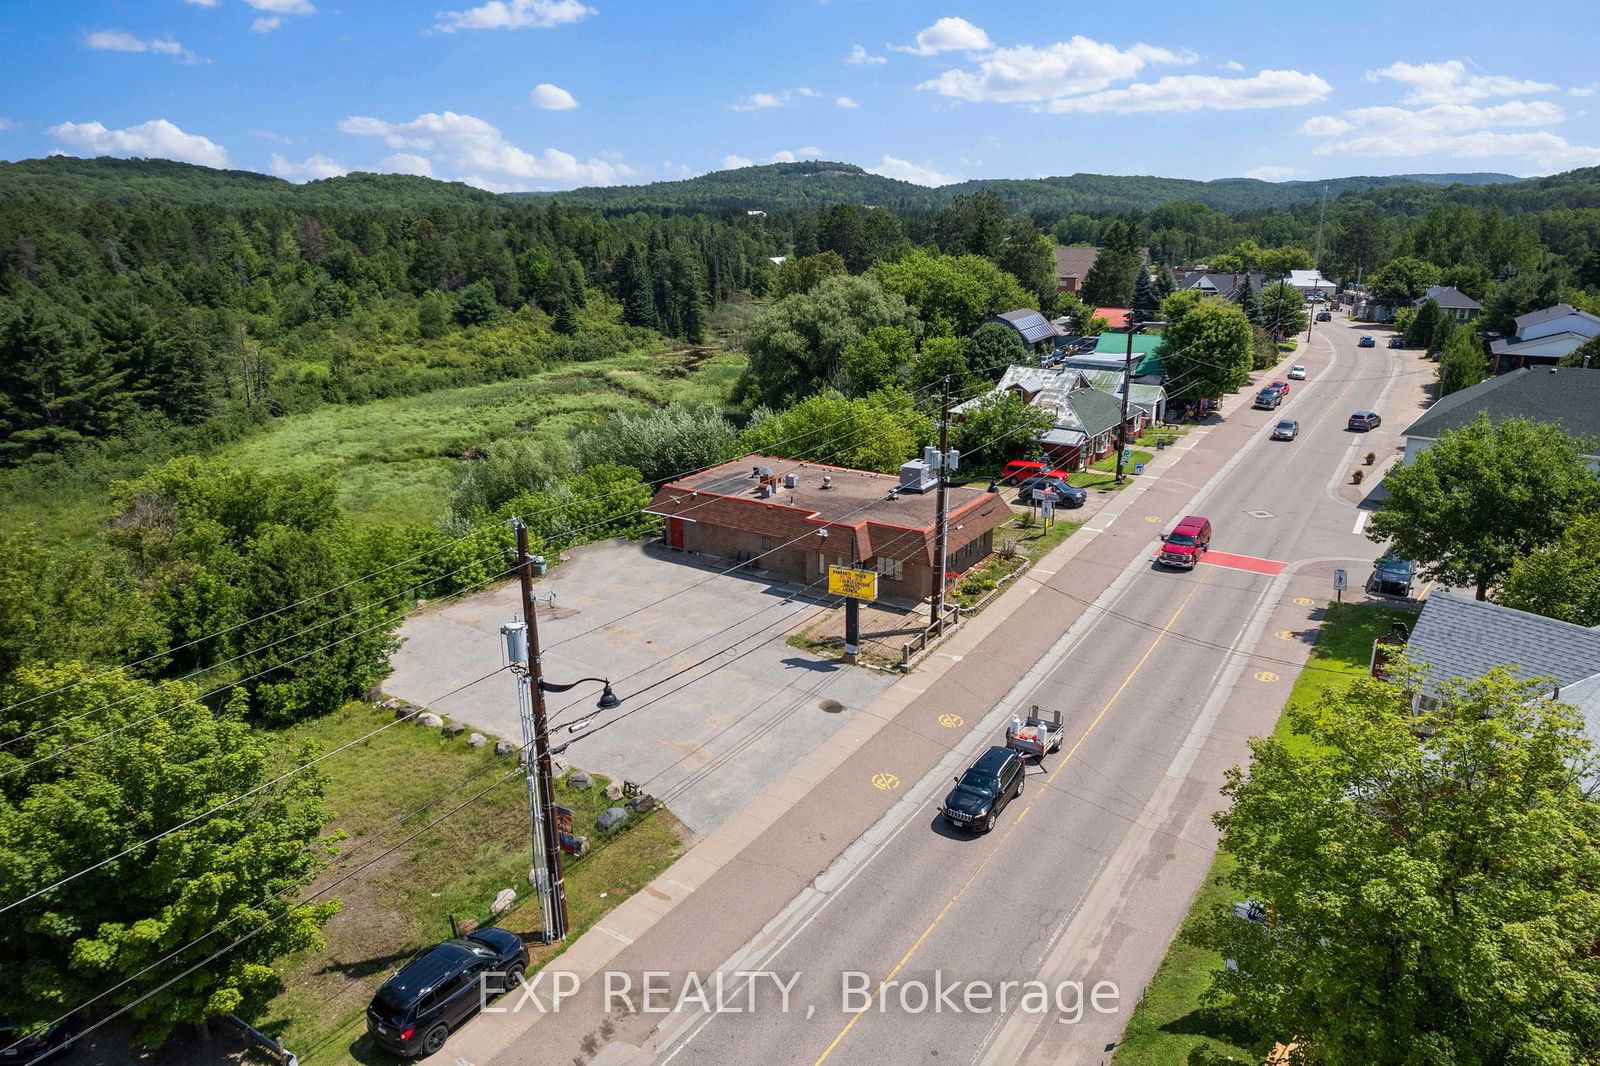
1391, 575
1188, 541
1324, 316
1364, 420
40, 1045
1366, 341
1397, 341
1019, 470
1268, 398
1281, 386
1297, 373
1288, 429
984, 790
1067, 494
414, 1012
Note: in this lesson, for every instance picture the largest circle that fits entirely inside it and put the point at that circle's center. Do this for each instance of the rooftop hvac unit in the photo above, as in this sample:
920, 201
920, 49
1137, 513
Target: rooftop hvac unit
915, 476
790, 480
766, 471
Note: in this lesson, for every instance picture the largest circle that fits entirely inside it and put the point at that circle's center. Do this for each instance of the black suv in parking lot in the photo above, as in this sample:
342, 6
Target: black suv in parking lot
984, 790
415, 1010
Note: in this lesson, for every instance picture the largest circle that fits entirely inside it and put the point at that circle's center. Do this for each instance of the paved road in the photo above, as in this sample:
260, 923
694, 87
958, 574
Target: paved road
1087, 875
1163, 677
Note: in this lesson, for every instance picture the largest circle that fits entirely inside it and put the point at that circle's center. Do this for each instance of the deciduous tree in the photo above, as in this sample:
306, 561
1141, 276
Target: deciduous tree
1207, 351
876, 432
1462, 364
1560, 580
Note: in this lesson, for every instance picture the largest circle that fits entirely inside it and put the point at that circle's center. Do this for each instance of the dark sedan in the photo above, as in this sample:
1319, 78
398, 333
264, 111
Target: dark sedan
1397, 341
416, 1010
1362, 421
1366, 342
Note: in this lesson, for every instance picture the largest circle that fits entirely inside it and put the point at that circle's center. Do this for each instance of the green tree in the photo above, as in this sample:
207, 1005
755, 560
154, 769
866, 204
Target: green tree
940, 358
433, 316
240, 870
1482, 497
58, 386
636, 288
1027, 255
1245, 297
1560, 580
876, 432
475, 304
807, 272
660, 443
1145, 300
1462, 364
952, 295
1402, 280
566, 318
1421, 331
507, 468
1207, 351
1586, 356
881, 358
1109, 283
1167, 283
797, 345
1281, 310
1430, 884
993, 347
999, 427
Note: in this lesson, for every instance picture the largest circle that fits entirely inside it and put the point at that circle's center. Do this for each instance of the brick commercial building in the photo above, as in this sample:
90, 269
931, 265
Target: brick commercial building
774, 513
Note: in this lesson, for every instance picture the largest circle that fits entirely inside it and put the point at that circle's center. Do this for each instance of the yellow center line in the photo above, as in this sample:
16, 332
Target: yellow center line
1038, 795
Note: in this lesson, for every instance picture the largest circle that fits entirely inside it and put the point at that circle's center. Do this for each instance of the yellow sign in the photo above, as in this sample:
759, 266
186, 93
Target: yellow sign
857, 584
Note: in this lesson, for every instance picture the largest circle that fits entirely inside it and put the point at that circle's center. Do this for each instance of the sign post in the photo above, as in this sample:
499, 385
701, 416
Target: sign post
855, 586
1341, 581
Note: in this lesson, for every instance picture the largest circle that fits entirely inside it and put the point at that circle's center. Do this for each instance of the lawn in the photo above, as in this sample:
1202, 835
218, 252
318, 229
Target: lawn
1027, 538
1102, 473
1170, 1024
395, 907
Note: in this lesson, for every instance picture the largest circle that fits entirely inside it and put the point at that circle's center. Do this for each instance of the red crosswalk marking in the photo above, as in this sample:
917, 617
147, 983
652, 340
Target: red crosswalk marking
1247, 563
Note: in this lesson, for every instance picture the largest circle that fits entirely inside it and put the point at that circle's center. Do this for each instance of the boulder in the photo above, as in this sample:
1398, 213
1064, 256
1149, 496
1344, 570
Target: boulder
454, 729
504, 747
614, 791
642, 802
477, 740
611, 818
503, 901
429, 720
580, 780
391, 703
403, 710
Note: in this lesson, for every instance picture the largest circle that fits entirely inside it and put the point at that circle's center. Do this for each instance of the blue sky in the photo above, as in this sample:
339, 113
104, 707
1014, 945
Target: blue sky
545, 94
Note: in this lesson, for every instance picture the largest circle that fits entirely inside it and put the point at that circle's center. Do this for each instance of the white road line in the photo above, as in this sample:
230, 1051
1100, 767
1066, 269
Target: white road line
1362, 518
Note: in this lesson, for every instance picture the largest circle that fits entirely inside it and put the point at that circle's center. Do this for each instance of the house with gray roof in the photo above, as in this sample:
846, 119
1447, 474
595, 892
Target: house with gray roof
1037, 332
1452, 301
1226, 286
1543, 338
1084, 416
1569, 398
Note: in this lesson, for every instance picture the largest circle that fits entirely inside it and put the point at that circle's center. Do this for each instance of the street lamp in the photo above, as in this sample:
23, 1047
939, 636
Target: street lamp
1127, 377
608, 699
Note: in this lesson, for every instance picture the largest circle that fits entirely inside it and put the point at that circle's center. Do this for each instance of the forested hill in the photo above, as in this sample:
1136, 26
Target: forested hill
780, 186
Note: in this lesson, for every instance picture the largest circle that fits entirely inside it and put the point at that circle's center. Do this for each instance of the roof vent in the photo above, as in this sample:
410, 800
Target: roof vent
1552, 370
755, 471
790, 480
827, 482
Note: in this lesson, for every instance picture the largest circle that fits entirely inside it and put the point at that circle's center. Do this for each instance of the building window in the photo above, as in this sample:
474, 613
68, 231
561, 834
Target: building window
893, 569
766, 543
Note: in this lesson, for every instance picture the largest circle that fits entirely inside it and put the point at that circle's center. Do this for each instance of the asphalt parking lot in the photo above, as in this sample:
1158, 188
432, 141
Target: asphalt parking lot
715, 704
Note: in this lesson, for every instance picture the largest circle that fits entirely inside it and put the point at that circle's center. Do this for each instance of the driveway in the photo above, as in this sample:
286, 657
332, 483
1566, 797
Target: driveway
703, 738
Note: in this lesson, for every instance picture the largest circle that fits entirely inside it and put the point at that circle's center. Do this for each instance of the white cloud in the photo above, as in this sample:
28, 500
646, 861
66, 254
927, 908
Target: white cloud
1440, 118
846, 102
1450, 83
514, 15
1203, 92
283, 7
1233, 65
313, 167
549, 97
904, 170
202, 3
123, 41
794, 155
1032, 74
266, 24
478, 148
1585, 90
764, 101
157, 138
860, 55
1273, 173
947, 35
1546, 150
407, 163
272, 135
735, 162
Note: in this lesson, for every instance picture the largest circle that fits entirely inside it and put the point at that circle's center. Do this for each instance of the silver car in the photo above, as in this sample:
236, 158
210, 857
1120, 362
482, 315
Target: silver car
1297, 373
1288, 429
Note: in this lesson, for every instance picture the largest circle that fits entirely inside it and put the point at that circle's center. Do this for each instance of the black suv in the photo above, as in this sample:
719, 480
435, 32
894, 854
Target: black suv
984, 790
415, 1010
1066, 493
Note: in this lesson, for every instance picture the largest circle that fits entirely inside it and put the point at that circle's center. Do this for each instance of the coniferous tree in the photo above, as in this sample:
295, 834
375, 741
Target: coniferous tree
566, 319
1245, 297
1166, 283
1145, 300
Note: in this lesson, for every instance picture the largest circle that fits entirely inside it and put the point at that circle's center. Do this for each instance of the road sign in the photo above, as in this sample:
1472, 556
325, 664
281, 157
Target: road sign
1048, 510
1127, 456
1341, 579
857, 584
1040, 495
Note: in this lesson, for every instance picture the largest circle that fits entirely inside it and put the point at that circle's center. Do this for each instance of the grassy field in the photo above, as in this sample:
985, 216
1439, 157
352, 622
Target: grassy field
402, 903
395, 459
1170, 1024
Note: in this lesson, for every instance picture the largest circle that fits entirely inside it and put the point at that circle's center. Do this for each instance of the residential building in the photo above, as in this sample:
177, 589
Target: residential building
1073, 263
1568, 398
1146, 365
1084, 417
1543, 338
1149, 400
792, 520
1307, 280
1452, 301
1038, 333
1116, 317
1226, 286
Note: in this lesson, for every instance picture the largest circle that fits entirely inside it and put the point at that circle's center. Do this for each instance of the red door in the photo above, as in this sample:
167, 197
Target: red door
675, 533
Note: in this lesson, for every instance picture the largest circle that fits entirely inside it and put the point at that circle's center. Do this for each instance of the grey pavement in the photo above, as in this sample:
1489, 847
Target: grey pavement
706, 740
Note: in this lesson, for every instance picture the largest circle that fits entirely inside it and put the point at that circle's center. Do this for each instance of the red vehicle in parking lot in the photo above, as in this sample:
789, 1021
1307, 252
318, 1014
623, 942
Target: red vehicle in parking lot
1019, 470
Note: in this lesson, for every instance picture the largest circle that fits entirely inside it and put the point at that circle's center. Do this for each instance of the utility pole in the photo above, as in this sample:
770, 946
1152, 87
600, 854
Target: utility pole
1127, 381
536, 755
940, 523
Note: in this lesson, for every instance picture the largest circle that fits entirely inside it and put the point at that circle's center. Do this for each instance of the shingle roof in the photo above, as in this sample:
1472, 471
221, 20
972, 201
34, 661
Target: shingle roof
1449, 298
1075, 261
1033, 326
1513, 346
1569, 398
1545, 314
1457, 636
1097, 412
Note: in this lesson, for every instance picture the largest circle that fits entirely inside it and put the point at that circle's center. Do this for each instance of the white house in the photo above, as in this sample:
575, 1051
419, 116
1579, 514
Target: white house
1543, 338
1306, 280
1567, 398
